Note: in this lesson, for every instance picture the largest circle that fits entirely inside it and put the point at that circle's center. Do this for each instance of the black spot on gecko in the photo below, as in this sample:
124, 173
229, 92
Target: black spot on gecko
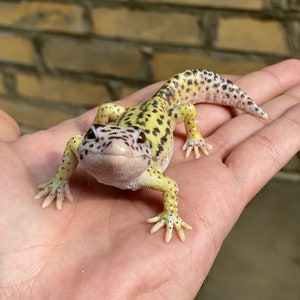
140, 115
142, 123
187, 73
155, 131
159, 121
163, 140
159, 150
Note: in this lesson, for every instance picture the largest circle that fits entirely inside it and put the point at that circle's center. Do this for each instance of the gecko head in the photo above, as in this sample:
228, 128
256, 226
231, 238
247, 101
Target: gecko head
114, 155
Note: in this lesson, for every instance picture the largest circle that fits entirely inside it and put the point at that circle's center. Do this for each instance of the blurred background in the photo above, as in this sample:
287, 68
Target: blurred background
60, 58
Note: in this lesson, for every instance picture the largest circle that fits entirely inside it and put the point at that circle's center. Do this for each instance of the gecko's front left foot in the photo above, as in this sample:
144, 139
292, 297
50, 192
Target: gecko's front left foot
170, 220
54, 189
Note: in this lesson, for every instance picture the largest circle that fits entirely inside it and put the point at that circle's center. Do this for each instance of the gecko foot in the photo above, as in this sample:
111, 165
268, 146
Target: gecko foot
170, 220
195, 145
52, 190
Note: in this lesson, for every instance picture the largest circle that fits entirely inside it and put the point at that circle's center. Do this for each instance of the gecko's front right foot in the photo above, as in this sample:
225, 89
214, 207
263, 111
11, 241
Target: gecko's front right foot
54, 190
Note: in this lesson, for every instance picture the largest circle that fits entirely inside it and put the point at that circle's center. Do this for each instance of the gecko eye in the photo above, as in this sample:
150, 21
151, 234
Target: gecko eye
142, 138
90, 134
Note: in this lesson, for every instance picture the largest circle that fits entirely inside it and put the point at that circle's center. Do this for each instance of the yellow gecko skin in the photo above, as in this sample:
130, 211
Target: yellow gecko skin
130, 148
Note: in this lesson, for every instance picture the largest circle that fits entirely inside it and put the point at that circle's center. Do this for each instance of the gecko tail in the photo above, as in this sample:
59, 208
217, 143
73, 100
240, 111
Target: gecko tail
218, 89
198, 86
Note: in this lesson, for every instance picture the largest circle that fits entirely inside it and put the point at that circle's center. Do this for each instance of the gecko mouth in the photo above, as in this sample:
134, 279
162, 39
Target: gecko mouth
85, 152
92, 153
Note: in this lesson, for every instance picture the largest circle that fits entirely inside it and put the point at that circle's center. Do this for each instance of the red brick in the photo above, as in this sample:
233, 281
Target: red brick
245, 4
43, 16
61, 90
105, 57
34, 116
156, 26
251, 35
15, 49
2, 87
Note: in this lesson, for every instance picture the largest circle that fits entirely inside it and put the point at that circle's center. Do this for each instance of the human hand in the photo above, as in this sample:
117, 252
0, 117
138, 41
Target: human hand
99, 246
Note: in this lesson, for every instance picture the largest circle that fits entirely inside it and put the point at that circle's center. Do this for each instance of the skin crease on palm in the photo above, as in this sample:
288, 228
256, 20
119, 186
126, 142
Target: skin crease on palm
99, 246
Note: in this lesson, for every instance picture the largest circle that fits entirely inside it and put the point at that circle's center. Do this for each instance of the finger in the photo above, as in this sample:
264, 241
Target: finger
259, 157
9, 130
271, 81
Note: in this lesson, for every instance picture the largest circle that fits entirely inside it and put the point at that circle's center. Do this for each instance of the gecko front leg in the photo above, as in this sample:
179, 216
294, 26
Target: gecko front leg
58, 187
169, 217
109, 112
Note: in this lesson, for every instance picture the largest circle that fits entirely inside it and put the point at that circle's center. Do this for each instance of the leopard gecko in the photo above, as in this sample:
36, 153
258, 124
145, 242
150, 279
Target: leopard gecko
130, 148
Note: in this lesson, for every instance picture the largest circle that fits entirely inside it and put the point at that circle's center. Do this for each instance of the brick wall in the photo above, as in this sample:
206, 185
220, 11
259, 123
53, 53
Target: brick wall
59, 58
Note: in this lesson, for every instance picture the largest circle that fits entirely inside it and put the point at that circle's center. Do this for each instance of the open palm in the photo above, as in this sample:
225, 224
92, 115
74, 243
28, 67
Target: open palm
99, 246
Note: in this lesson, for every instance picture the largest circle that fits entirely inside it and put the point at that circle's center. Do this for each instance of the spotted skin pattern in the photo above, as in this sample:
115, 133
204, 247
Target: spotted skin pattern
130, 148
